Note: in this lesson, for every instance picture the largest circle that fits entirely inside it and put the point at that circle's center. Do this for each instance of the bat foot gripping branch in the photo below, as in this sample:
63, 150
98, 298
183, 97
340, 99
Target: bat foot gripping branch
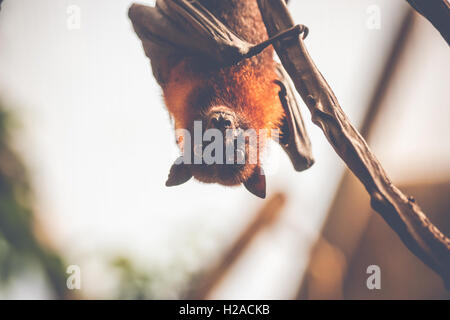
287, 34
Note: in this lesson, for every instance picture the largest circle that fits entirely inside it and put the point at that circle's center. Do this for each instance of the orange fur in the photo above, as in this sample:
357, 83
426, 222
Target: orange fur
181, 83
245, 89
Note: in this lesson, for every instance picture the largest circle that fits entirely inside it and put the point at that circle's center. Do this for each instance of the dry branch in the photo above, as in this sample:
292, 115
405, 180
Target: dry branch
401, 212
437, 12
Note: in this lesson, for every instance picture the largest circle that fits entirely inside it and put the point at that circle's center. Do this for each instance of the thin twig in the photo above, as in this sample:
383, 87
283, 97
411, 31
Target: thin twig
437, 12
402, 213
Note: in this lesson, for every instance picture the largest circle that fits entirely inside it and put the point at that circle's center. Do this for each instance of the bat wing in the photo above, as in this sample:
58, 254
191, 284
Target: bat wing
185, 26
294, 138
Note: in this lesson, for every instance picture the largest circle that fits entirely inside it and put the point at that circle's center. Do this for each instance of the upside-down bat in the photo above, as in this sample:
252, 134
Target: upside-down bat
214, 64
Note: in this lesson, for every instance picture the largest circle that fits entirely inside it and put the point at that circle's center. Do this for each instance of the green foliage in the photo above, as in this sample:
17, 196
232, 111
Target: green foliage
18, 245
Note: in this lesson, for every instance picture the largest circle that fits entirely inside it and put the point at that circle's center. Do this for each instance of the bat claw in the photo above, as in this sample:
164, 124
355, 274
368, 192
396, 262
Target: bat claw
303, 29
299, 29
290, 33
287, 34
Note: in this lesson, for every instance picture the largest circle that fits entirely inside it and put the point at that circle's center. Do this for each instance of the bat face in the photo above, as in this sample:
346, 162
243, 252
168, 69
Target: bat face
229, 161
225, 116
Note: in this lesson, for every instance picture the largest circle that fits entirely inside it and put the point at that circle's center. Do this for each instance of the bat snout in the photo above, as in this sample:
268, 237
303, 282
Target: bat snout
221, 119
221, 122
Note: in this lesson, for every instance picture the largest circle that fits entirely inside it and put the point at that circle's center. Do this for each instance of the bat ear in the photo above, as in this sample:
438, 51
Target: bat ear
256, 184
179, 174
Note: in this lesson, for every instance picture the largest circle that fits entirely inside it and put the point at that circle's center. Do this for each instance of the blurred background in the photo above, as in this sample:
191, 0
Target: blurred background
86, 145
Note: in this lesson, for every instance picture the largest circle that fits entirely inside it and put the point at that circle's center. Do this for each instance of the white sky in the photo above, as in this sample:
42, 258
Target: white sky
99, 142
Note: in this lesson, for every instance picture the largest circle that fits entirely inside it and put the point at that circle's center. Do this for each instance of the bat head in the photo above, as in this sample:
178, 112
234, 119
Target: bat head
222, 120
220, 147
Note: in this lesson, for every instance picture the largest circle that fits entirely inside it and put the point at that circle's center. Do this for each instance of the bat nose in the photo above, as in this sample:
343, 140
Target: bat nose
221, 121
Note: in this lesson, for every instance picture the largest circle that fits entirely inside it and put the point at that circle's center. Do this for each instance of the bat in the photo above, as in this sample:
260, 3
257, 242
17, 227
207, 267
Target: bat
215, 65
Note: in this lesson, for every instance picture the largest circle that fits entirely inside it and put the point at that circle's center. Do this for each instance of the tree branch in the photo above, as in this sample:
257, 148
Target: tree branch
437, 12
402, 213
